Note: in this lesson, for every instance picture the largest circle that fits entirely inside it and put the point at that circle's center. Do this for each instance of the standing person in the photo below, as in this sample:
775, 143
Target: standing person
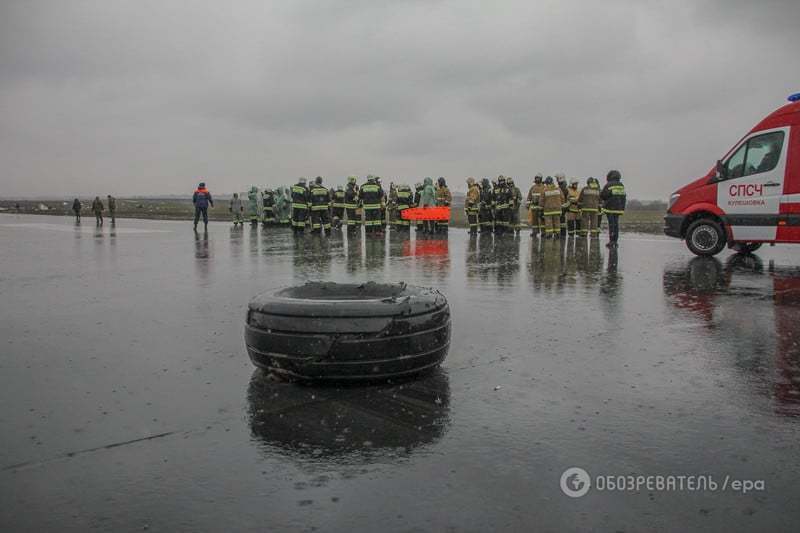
351, 204
339, 205
485, 215
514, 204
561, 180
382, 219
300, 204
552, 200
599, 224
320, 205
403, 198
427, 198
502, 198
268, 207
372, 197
573, 212
252, 205
535, 205
391, 205
97, 209
236, 209
589, 205
417, 198
331, 194
614, 200
472, 205
201, 200
112, 208
76, 208
283, 206
443, 199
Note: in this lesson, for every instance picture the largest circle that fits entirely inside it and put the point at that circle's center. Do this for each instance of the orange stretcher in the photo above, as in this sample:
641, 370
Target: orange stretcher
438, 214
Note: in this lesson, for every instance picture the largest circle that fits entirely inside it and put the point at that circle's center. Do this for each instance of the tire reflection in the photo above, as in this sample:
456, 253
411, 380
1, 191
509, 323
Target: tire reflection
348, 424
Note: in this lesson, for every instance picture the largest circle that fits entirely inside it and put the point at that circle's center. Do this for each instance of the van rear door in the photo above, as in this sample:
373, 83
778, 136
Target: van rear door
749, 191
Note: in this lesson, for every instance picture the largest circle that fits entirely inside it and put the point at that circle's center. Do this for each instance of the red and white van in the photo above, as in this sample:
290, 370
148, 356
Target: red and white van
751, 197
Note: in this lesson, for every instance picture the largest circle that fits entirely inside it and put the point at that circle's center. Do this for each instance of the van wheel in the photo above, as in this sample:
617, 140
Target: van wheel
746, 247
705, 237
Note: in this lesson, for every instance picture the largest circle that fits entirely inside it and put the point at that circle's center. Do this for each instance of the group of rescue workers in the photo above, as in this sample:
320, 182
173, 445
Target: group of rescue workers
315, 207
554, 207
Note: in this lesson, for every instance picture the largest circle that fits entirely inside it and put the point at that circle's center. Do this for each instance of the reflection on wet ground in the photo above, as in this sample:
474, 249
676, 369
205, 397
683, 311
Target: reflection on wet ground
751, 309
348, 424
129, 401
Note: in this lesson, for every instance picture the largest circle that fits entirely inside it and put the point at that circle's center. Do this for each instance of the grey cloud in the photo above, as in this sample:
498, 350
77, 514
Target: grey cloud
141, 97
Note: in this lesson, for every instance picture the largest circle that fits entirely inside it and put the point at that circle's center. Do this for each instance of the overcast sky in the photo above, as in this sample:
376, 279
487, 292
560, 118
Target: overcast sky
144, 97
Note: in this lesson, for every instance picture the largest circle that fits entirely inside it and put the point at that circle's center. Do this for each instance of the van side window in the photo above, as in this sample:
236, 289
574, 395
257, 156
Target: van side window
736, 163
763, 152
759, 154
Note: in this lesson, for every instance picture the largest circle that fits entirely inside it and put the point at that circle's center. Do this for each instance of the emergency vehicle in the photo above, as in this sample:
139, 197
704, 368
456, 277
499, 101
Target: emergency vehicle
751, 197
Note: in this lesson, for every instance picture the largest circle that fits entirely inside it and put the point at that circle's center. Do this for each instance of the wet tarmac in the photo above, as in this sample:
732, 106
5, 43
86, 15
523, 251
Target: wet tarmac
128, 401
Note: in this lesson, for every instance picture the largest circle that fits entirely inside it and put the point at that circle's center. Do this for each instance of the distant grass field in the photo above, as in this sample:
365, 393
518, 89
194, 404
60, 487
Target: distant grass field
635, 219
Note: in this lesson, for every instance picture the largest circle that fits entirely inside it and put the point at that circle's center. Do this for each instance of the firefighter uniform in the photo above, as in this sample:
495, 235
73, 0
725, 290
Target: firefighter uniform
552, 202
561, 180
372, 198
300, 205
383, 219
573, 213
443, 198
472, 205
589, 206
535, 206
339, 204
514, 205
268, 207
402, 201
485, 214
614, 199
502, 203
320, 205
351, 204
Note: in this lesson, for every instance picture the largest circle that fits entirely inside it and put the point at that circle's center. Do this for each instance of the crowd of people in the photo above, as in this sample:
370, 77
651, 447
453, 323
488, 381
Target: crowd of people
554, 208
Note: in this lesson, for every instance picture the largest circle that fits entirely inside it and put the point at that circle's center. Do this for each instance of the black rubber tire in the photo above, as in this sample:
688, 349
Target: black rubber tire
705, 237
745, 247
330, 331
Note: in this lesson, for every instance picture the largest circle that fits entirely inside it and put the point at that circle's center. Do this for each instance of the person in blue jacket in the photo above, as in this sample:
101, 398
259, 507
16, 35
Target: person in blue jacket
201, 200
